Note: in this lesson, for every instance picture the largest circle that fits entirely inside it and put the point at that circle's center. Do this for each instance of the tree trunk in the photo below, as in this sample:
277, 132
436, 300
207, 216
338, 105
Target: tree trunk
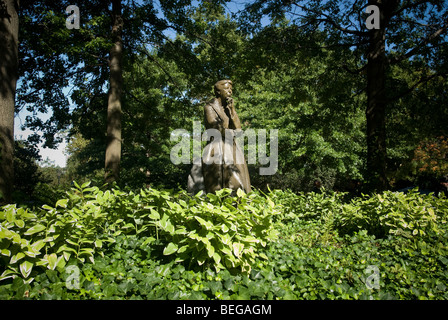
9, 39
376, 104
113, 148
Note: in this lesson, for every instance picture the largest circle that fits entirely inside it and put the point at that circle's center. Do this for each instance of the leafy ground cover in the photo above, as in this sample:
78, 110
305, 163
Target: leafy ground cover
161, 244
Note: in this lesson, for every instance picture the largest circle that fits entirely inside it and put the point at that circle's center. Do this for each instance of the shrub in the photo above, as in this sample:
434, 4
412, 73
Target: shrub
220, 229
217, 230
50, 236
161, 244
397, 213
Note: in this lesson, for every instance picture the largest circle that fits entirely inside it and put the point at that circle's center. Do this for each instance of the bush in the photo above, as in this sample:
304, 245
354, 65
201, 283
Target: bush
218, 230
397, 213
50, 236
161, 244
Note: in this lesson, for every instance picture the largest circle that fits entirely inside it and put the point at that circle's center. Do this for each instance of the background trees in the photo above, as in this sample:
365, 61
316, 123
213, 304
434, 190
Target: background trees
352, 104
88, 63
409, 32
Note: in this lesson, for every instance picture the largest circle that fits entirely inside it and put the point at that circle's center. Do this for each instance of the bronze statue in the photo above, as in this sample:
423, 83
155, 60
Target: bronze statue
223, 164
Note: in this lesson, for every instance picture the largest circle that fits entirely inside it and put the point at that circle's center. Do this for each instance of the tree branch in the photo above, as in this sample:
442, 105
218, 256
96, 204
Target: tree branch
329, 20
423, 42
356, 71
150, 57
415, 85
409, 6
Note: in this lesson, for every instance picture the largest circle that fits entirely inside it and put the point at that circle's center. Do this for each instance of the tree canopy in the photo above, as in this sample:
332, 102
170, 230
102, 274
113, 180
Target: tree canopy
356, 108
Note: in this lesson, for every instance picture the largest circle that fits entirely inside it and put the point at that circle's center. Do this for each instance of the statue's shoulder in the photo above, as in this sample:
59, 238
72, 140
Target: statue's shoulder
211, 105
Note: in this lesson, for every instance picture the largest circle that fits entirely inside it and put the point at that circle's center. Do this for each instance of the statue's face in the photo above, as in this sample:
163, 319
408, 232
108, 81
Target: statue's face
225, 90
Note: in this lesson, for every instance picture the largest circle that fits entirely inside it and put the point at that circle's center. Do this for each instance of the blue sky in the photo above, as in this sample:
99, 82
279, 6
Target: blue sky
55, 155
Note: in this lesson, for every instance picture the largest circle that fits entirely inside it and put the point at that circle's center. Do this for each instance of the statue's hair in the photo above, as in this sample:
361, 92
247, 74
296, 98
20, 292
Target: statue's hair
219, 83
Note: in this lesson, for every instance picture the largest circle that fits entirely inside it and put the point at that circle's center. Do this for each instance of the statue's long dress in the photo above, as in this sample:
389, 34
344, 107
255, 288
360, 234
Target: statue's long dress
223, 164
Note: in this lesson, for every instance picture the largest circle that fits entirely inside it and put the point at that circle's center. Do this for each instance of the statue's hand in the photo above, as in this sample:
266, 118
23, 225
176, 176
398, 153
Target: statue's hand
230, 105
232, 113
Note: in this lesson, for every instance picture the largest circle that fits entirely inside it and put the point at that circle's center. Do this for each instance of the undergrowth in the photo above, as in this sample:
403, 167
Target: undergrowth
161, 244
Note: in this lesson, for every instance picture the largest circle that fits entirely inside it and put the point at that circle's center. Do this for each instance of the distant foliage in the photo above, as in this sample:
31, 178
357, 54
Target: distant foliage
431, 157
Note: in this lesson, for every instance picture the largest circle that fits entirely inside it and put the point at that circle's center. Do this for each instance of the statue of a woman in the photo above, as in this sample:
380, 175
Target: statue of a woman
223, 164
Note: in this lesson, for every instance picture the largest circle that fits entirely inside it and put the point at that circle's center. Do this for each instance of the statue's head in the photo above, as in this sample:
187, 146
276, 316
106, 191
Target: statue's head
223, 88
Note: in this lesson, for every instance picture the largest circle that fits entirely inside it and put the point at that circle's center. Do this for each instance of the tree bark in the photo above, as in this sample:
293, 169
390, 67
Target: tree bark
113, 148
377, 100
9, 39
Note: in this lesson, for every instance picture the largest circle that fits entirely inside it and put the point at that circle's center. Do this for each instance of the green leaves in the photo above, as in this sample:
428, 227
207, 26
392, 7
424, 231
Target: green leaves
237, 249
25, 268
35, 229
62, 203
49, 238
166, 224
220, 230
208, 225
224, 247
52, 261
407, 215
170, 249
16, 257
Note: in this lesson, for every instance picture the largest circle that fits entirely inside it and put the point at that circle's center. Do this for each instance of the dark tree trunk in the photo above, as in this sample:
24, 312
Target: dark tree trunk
377, 99
9, 39
113, 148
